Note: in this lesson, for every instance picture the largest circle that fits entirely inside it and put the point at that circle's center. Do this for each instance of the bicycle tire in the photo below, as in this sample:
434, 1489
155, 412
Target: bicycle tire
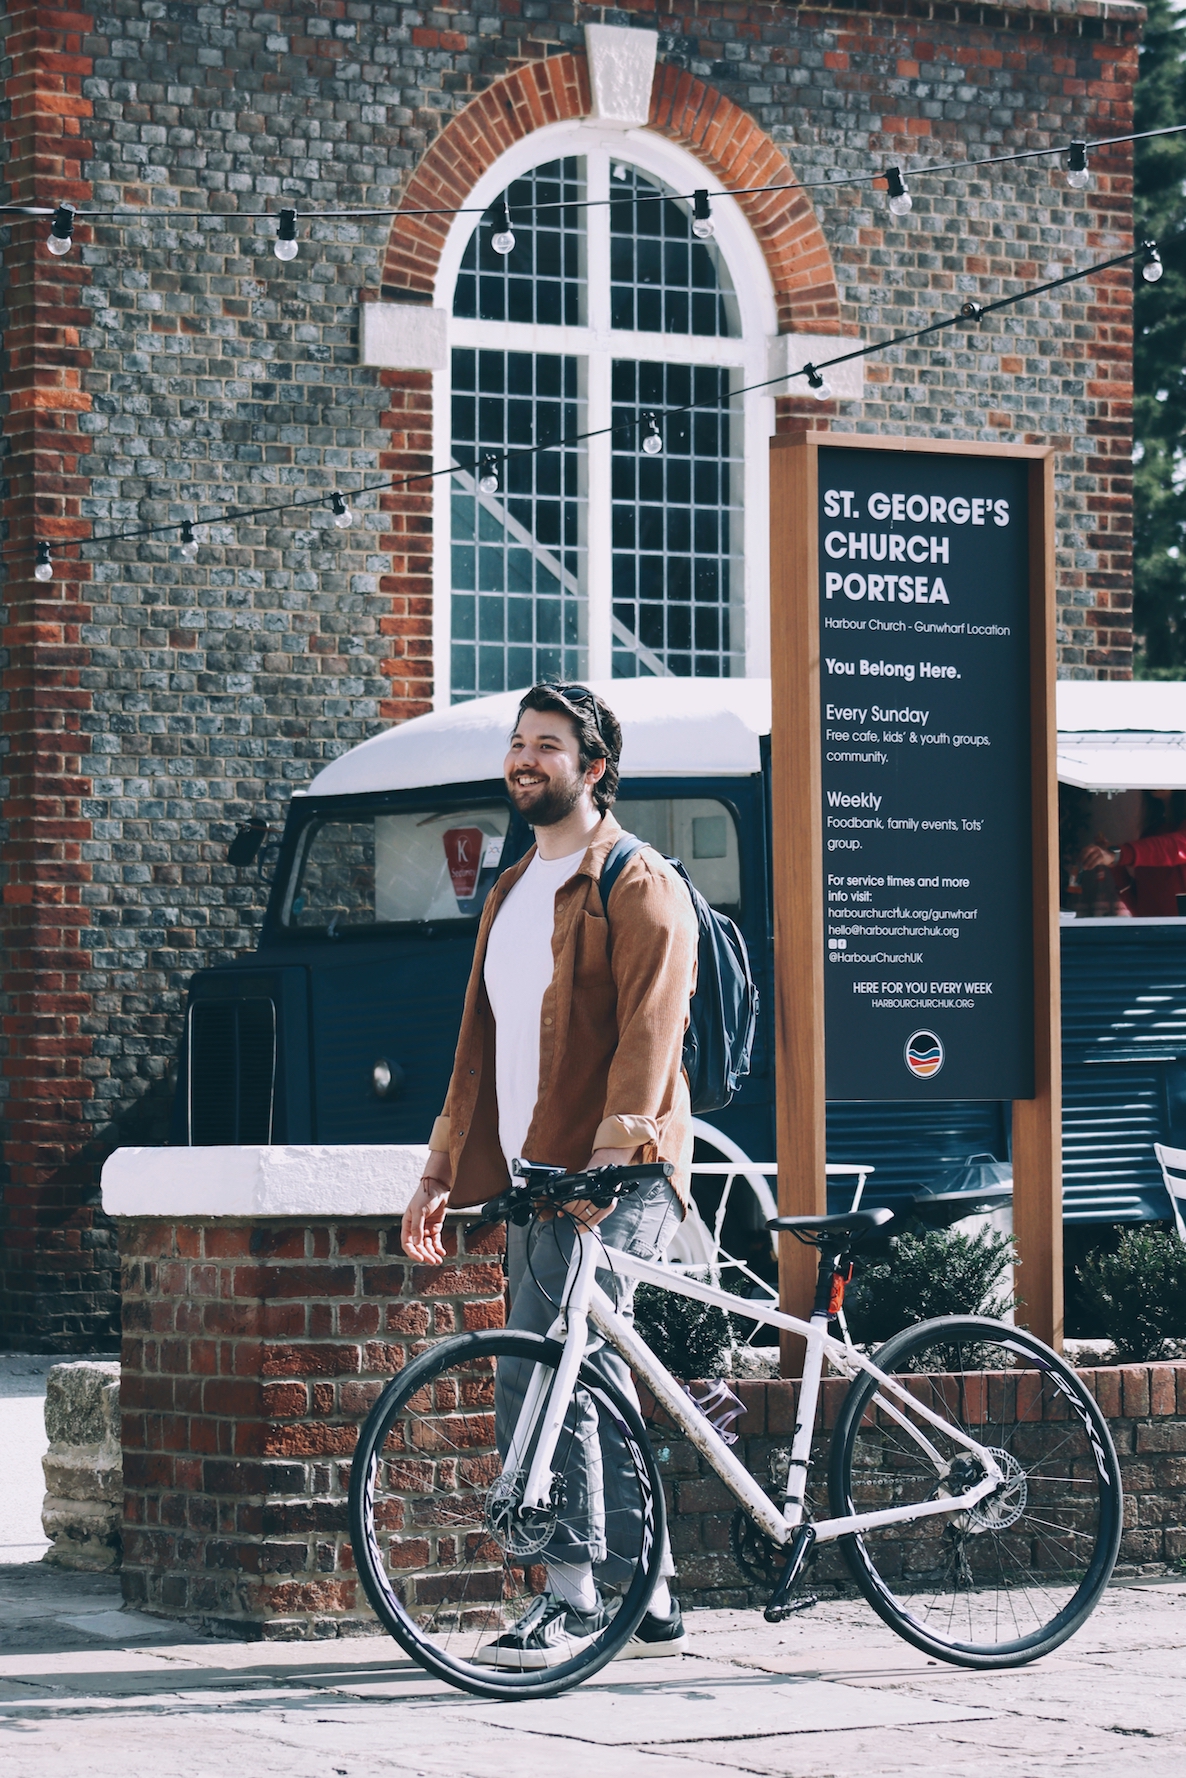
429, 1556
1015, 1576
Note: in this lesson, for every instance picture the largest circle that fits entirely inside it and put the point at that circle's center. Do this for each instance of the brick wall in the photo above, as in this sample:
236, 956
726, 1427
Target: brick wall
171, 365
252, 1352
1145, 1406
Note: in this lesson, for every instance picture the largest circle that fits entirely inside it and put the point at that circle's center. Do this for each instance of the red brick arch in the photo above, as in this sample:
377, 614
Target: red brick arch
722, 136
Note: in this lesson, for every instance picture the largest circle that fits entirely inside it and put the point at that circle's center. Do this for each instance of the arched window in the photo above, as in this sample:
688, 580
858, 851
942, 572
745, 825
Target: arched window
601, 558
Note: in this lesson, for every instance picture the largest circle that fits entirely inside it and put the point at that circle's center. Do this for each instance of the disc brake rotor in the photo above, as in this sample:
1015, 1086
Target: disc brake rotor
519, 1534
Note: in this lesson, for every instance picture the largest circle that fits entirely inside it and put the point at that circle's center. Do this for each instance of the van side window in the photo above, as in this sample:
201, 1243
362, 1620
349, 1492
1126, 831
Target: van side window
412, 866
701, 833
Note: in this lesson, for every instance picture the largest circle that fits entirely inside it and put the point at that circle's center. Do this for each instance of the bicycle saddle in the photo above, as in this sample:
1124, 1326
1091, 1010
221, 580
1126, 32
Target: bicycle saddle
851, 1223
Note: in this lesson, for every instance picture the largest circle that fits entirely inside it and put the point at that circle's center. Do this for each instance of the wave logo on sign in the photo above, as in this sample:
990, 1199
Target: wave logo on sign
924, 1054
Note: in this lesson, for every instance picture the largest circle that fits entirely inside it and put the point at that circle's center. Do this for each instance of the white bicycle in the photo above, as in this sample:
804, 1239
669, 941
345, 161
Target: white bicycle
973, 1486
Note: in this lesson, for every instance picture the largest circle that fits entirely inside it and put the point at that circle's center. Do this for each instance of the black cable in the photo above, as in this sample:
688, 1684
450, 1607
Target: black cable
993, 160
969, 311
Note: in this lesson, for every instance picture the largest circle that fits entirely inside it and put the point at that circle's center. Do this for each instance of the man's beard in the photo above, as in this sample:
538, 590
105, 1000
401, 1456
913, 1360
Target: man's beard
554, 803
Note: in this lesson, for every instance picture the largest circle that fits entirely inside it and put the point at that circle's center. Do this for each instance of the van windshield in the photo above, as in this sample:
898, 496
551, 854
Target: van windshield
386, 869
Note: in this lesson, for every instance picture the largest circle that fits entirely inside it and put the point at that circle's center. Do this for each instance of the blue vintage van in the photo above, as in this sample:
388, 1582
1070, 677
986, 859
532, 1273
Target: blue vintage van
340, 1028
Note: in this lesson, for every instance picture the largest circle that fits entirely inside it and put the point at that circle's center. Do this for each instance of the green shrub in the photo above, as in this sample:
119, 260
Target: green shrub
1136, 1296
938, 1272
692, 1339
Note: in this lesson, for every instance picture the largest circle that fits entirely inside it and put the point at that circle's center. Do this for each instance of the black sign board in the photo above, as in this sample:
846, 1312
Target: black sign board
926, 779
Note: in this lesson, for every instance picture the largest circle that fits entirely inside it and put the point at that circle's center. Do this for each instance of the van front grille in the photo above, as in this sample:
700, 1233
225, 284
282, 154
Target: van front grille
232, 1072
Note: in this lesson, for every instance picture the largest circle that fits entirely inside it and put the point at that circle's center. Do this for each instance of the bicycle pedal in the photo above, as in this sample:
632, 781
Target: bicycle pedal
780, 1605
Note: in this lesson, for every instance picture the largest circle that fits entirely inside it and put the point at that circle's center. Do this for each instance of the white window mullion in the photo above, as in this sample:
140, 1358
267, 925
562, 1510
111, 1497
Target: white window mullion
599, 558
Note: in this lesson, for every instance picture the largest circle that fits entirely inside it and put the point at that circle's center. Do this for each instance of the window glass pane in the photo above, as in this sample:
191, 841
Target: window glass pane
700, 833
542, 280
415, 865
678, 589
663, 280
518, 560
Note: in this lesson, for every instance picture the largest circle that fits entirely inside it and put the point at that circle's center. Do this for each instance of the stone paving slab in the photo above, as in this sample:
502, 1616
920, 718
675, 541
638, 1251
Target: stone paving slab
832, 1694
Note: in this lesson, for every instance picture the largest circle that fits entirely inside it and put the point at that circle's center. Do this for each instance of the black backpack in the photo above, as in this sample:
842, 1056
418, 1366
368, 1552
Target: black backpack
723, 1014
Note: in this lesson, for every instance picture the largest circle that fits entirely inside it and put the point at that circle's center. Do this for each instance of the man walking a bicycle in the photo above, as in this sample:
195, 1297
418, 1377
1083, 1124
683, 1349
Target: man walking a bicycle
569, 1054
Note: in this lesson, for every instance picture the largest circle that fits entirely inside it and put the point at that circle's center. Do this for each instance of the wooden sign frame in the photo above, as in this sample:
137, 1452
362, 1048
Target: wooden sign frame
797, 844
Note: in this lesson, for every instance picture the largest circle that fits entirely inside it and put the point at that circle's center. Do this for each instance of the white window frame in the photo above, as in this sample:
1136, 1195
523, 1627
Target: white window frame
599, 344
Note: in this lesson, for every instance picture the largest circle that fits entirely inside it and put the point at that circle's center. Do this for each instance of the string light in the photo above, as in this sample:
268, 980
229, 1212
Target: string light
488, 480
900, 200
286, 236
502, 240
1078, 172
1152, 269
818, 384
189, 543
702, 223
342, 513
61, 233
652, 442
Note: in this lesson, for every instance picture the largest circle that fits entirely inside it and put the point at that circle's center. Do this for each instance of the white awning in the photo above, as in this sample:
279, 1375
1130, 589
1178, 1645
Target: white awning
1122, 735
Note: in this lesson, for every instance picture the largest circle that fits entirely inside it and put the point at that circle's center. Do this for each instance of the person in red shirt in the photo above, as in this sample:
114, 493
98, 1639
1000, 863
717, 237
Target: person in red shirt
1150, 873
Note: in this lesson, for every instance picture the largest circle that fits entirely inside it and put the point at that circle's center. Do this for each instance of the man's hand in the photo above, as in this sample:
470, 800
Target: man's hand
591, 1214
424, 1218
1099, 857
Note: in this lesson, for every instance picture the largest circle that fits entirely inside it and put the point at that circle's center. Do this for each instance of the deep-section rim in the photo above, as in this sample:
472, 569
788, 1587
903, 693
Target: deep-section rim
383, 1599
863, 1570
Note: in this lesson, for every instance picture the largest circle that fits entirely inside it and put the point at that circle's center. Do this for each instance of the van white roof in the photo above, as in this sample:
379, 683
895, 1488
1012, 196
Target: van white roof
1112, 736
671, 728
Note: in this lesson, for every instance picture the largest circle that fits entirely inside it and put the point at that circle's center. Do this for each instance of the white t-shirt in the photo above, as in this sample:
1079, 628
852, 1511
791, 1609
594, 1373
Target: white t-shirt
517, 973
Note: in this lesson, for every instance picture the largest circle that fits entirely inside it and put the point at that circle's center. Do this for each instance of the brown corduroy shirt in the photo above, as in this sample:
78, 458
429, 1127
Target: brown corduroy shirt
612, 1025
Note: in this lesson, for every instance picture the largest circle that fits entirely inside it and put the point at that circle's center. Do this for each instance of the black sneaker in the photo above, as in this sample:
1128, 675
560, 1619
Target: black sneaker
549, 1633
656, 1637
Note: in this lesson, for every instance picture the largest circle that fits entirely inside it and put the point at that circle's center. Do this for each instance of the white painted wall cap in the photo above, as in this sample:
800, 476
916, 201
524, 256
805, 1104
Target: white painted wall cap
310, 1180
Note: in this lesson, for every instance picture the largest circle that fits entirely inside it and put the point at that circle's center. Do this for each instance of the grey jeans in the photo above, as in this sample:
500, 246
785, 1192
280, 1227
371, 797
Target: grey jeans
601, 1521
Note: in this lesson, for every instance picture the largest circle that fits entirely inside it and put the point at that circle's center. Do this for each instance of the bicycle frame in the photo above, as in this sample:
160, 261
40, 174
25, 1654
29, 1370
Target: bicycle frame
585, 1302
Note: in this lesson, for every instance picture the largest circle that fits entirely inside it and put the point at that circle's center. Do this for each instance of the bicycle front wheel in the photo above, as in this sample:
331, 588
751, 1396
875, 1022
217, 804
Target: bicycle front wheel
448, 1560
1018, 1573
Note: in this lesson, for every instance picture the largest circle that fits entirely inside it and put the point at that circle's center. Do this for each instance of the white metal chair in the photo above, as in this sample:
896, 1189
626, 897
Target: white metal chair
1173, 1171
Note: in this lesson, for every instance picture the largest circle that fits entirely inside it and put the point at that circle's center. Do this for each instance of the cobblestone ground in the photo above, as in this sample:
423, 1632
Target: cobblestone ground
830, 1695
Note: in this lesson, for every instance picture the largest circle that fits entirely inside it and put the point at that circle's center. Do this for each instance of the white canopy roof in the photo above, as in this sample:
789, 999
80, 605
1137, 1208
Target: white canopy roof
671, 728
1111, 736
1126, 735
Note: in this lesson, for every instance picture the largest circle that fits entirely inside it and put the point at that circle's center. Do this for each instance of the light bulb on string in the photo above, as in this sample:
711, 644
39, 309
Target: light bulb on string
1078, 172
702, 223
900, 200
502, 240
189, 543
488, 480
1152, 269
44, 569
652, 442
818, 383
342, 513
61, 231
286, 236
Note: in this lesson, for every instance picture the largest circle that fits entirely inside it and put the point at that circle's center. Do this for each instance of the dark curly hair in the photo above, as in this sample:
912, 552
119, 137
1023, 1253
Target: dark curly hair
598, 732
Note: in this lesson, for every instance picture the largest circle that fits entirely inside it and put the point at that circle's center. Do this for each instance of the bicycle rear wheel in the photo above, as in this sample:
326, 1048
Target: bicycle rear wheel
1017, 1574
447, 1561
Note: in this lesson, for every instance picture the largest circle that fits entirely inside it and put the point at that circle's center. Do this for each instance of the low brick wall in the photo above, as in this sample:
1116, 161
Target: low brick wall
1145, 1407
252, 1351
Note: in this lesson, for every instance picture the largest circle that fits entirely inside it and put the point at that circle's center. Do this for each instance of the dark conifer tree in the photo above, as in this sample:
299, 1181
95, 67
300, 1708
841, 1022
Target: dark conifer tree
1159, 353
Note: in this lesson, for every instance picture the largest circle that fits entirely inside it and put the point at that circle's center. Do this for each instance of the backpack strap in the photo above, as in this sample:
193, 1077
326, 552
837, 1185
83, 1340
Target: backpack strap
623, 850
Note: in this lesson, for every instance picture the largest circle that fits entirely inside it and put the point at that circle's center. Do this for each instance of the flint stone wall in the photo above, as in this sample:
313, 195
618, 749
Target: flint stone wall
83, 1508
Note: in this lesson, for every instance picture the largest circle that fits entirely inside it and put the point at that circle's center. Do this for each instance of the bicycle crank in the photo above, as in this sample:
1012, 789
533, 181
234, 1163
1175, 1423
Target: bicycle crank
781, 1605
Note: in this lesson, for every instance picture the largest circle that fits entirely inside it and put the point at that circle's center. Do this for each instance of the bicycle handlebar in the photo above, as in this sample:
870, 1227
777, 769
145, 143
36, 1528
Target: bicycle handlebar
536, 1185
